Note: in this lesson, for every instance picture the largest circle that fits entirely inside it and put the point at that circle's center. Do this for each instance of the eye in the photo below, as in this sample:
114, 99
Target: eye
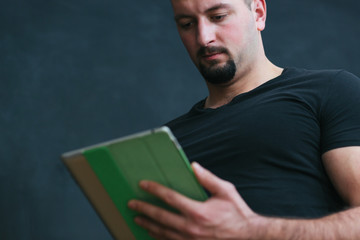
186, 25
218, 18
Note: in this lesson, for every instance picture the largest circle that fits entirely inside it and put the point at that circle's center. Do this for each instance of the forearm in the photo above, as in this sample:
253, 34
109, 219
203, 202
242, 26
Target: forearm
342, 225
227, 216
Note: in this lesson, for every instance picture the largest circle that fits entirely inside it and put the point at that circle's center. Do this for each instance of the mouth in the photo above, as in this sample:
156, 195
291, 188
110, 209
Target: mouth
212, 56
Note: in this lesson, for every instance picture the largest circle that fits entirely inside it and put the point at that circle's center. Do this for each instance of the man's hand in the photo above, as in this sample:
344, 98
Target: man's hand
223, 216
226, 216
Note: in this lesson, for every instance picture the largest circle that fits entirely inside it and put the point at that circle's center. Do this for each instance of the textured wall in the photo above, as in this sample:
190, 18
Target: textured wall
74, 73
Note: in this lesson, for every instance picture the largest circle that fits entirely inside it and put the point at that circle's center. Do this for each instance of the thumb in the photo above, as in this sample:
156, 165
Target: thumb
212, 183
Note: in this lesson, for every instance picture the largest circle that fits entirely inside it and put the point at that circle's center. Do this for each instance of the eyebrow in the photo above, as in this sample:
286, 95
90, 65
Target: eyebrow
213, 8
219, 6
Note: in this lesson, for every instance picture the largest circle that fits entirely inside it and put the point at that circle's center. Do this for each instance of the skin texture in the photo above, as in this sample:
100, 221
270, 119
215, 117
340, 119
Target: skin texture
231, 24
205, 24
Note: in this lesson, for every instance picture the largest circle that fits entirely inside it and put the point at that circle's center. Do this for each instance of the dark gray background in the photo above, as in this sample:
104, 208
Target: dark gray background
78, 72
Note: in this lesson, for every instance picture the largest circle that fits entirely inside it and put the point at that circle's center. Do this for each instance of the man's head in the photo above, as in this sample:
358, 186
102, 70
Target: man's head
221, 36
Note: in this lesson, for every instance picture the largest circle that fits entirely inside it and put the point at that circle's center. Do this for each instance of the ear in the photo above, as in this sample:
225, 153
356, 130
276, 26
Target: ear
259, 10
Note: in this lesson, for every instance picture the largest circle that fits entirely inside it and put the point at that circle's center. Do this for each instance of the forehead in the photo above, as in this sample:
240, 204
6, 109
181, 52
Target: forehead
200, 6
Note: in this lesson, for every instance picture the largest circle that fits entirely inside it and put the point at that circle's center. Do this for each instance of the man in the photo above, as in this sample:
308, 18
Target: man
288, 140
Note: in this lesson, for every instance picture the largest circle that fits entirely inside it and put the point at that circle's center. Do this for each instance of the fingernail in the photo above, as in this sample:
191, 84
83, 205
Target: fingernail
138, 220
131, 204
144, 184
197, 167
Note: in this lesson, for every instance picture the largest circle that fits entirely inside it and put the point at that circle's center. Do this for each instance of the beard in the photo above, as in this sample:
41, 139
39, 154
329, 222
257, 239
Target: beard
219, 75
216, 74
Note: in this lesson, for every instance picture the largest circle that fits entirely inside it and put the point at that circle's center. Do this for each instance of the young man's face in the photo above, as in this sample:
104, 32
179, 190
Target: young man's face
221, 36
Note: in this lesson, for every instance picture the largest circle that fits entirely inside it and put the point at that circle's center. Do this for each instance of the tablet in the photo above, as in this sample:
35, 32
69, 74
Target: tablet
109, 175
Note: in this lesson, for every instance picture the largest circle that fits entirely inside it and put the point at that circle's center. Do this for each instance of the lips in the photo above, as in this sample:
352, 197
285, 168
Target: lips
212, 56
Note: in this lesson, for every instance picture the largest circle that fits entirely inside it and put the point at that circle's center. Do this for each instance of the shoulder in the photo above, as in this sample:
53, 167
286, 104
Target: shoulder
321, 75
346, 79
194, 111
322, 82
326, 87
339, 114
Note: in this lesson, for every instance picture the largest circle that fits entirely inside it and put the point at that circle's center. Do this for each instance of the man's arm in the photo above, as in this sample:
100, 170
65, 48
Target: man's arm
226, 216
343, 168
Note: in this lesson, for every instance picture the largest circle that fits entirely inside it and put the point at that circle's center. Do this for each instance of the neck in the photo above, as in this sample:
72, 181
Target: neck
244, 81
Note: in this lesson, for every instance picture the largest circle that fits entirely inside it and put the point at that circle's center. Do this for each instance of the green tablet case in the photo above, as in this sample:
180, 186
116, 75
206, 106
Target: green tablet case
109, 174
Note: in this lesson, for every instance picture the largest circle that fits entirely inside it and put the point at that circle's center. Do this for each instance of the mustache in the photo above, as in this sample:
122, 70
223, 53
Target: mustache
211, 50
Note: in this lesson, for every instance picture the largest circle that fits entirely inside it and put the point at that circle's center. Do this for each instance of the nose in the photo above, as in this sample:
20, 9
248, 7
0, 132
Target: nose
205, 33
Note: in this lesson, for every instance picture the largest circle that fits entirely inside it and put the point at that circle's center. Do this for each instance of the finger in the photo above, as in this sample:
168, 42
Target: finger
174, 199
166, 218
219, 187
160, 232
214, 184
157, 231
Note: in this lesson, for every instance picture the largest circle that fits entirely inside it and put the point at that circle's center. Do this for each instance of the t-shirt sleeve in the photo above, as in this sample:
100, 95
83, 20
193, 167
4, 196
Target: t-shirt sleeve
340, 112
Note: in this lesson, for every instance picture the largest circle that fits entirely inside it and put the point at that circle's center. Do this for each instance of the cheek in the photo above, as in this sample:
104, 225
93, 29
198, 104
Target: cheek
190, 45
235, 37
231, 35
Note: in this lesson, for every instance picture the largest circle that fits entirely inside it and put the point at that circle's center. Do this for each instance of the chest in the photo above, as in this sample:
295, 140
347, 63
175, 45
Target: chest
276, 126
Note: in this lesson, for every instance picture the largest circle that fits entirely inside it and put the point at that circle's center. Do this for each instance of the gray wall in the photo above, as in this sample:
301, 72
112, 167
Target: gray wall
78, 72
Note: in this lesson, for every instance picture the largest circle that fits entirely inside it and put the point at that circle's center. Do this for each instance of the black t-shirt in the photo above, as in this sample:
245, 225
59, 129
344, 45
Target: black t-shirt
268, 142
